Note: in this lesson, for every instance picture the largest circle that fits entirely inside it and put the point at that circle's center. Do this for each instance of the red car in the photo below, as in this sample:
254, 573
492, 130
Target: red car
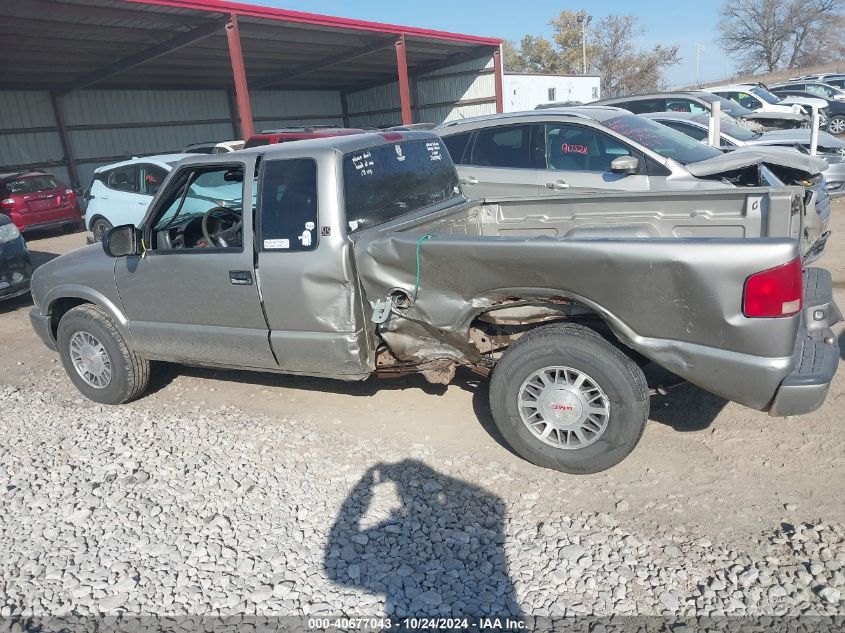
283, 135
34, 200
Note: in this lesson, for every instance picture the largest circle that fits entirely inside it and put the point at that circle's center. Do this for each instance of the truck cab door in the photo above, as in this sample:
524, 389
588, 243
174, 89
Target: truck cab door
189, 299
306, 271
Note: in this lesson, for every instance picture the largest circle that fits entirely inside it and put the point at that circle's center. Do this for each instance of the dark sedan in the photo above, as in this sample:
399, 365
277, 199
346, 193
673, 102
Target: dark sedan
15, 267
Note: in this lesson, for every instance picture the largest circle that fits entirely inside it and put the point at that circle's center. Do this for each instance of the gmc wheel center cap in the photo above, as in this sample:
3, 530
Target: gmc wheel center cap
562, 407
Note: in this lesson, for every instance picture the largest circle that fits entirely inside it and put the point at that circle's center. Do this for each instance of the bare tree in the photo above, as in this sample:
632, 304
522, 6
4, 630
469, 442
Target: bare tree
611, 51
775, 34
624, 68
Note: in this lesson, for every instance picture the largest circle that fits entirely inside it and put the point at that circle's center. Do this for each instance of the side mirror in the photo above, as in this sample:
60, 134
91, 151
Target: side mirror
122, 241
625, 165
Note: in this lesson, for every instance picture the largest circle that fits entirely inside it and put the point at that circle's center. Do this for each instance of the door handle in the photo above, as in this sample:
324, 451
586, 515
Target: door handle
472, 180
557, 184
240, 277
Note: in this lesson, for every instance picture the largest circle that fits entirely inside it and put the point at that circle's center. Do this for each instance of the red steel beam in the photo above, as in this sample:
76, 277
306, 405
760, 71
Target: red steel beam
499, 74
404, 83
239, 75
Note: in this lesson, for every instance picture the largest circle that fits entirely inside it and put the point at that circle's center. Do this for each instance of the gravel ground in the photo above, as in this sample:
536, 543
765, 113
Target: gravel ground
193, 510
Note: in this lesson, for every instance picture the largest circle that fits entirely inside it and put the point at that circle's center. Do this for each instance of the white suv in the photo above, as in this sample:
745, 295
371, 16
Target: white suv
120, 193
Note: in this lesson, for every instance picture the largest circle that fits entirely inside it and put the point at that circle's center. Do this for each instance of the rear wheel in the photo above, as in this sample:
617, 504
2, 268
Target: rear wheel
97, 359
99, 227
565, 398
836, 125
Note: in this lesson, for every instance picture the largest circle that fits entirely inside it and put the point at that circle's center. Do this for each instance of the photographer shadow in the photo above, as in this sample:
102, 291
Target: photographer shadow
431, 544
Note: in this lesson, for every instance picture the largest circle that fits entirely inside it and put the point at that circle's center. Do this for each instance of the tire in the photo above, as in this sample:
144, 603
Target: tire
561, 353
128, 372
99, 226
836, 125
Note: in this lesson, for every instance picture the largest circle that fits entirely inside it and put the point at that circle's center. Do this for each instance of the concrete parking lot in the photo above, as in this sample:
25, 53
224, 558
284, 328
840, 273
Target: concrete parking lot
234, 492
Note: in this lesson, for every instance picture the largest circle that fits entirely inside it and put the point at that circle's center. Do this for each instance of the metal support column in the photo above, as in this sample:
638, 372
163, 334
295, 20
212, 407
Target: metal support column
498, 73
239, 75
404, 83
63, 138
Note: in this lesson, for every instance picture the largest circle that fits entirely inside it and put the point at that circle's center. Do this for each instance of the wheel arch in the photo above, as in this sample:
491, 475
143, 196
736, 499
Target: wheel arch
66, 297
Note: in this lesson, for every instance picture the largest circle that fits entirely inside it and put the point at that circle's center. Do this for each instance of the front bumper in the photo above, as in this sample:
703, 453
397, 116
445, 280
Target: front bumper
15, 269
816, 355
41, 325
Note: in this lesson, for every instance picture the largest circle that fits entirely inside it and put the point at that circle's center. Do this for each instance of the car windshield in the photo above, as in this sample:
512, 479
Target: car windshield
658, 138
383, 183
728, 127
765, 95
731, 107
29, 184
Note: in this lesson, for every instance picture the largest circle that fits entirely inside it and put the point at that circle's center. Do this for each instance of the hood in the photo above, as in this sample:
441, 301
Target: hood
771, 116
798, 135
747, 156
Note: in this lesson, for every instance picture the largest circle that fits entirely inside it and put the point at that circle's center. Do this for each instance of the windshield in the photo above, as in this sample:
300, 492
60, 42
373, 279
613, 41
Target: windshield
382, 183
658, 138
731, 107
765, 95
727, 126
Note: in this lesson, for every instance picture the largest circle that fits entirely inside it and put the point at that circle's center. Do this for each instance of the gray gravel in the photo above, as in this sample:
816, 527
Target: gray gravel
137, 510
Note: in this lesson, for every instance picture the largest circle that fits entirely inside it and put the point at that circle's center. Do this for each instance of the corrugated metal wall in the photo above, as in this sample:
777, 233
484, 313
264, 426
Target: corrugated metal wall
459, 91
104, 126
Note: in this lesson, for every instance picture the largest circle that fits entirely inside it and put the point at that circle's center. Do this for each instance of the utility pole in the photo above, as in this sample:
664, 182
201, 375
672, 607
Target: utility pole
584, 20
698, 49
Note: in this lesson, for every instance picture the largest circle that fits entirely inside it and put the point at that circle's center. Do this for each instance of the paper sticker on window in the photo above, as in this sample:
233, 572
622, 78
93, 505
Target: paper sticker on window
433, 148
268, 244
569, 148
399, 155
364, 163
309, 226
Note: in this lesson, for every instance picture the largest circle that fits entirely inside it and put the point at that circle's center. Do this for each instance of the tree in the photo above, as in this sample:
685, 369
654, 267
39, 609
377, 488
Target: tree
611, 53
625, 69
770, 35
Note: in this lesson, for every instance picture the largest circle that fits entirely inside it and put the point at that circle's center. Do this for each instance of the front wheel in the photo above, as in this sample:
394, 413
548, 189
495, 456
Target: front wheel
836, 125
97, 359
565, 398
99, 228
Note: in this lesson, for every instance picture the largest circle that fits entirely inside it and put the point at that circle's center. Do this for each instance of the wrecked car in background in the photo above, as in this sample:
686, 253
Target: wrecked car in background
595, 148
363, 257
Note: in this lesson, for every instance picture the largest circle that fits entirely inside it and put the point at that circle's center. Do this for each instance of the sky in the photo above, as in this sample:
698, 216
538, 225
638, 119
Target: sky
681, 22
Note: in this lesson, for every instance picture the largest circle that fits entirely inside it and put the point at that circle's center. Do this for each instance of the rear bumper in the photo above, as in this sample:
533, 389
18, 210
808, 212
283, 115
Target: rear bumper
816, 355
15, 269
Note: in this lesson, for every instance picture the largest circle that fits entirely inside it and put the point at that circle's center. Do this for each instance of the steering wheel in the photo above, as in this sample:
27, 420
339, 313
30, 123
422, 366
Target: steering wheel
222, 237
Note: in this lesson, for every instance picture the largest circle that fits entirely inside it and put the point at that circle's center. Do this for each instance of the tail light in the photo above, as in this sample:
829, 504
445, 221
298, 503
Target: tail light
8, 203
776, 292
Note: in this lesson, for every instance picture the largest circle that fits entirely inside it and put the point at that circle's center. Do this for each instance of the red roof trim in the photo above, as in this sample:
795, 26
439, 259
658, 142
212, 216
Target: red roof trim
285, 15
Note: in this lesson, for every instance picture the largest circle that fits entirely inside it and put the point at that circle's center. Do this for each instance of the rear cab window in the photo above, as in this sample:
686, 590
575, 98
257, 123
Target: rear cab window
382, 183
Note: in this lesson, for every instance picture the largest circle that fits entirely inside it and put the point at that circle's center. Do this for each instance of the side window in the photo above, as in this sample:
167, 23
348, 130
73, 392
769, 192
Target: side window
287, 205
201, 203
639, 106
552, 94
506, 146
690, 130
575, 148
123, 179
151, 178
745, 100
457, 144
684, 105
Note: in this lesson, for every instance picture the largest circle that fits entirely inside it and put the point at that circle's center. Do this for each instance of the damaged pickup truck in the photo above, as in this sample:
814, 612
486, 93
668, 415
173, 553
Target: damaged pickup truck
357, 256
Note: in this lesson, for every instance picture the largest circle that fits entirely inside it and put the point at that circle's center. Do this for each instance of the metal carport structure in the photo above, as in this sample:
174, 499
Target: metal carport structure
84, 82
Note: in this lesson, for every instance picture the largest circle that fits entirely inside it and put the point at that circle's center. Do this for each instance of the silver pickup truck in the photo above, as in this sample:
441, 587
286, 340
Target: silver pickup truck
358, 256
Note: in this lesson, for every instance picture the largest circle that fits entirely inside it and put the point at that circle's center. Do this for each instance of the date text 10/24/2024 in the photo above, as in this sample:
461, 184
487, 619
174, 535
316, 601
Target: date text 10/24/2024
417, 623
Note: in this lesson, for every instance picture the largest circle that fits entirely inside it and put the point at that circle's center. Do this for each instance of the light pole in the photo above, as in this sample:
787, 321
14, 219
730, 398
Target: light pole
584, 20
698, 49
